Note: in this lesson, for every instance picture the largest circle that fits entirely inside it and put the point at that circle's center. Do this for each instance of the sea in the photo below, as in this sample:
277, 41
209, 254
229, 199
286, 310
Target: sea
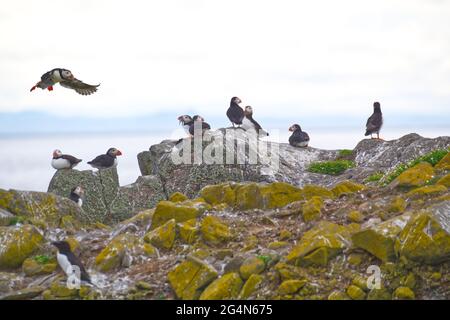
25, 158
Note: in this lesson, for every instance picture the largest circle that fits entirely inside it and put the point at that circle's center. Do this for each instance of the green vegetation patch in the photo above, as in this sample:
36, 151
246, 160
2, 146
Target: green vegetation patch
334, 168
42, 259
374, 177
345, 152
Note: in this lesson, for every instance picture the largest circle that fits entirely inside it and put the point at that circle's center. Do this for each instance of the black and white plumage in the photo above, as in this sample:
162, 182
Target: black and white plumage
198, 122
186, 121
66, 79
64, 161
67, 261
375, 121
298, 138
107, 160
248, 123
235, 113
76, 195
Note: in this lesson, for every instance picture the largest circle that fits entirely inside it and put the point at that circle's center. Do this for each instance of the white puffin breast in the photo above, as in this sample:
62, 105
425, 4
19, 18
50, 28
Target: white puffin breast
80, 202
60, 163
115, 162
186, 128
63, 262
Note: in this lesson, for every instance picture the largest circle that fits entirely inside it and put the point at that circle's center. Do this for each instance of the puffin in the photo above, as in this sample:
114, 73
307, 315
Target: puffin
66, 79
375, 121
68, 261
235, 112
64, 161
107, 160
76, 195
186, 121
198, 121
298, 138
249, 123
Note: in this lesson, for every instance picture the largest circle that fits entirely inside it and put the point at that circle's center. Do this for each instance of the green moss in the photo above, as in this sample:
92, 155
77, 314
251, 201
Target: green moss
335, 168
345, 153
374, 177
42, 259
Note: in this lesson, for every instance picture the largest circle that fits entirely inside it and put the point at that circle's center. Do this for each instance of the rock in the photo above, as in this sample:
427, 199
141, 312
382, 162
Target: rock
226, 287
379, 294
23, 294
188, 230
356, 293
444, 164
6, 217
113, 254
18, 243
251, 285
416, 176
355, 216
40, 206
338, 295
426, 237
163, 236
397, 205
379, 239
404, 293
218, 194
61, 290
214, 230
444, 181
346, 187
180, 211
190, 277
427, 191
290, 286
285, 235
320, 244
234, 264
178, 197
310, 191
32, 267
251, 265
311, 209
277, 245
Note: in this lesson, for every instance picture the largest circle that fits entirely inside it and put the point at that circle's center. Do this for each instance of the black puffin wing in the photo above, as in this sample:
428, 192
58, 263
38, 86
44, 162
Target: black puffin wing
79, 86
206, 126
374, 122
304, 136
103, 160
74, 260
257, 126
71, 159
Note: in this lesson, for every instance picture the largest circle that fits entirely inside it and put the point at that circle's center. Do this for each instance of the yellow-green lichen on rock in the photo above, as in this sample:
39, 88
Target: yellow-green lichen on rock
347, 187
178, 197
112, 255
427, 191
225, 288
444, 164
188, 231
338, 295
163, 236
251, 265
397, 205
279, 194
250, 286
214, 230
416, 176
426, 237
355, 292
290, 286
355, 216
190, 277
248, 196
32, 267
312, 190
61, 290
444, 181
17, 243
218, 194
180, 211
311, 209
320, 244
379, 240
404, 293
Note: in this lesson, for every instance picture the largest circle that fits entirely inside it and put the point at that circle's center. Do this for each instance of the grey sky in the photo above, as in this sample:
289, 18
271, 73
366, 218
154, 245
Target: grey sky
292, 57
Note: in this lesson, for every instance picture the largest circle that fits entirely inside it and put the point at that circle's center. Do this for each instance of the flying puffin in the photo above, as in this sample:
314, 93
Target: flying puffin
235, 112
298, 138
375, 121
76, 195
64, 161
249, 123
67, 261
65, 79
200, 122
186, 121
107, 160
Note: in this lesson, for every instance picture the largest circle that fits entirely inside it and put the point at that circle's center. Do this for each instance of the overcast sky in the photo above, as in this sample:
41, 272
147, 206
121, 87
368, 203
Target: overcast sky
291, 58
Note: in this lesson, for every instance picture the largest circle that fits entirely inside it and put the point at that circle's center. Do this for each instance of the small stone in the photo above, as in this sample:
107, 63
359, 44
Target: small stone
251, 265
379, 294
142, 285
397, 205
250, 286
404, 293
163, 236
214, 230
338, 295
285, 235
290, 286
277, 245
355, 216
225, 288
178, 197
311, 209
356, 293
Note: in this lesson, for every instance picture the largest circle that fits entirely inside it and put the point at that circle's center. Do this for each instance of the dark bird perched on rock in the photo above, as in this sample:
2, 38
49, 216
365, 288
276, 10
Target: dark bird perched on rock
298, 138
64, 161
68, 261
107, 160
198, 122
76, 195
235, 112
186, 121
375, 121
66, 79
249, 123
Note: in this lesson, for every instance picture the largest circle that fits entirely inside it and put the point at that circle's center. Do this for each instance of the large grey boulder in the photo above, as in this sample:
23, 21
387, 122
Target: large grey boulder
370, 156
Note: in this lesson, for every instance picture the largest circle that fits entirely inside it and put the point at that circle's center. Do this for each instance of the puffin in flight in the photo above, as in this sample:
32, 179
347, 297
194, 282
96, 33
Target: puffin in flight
198, 121
65, 79
235, 112
69, 262
249, 123
64, 161
375, 121
107, 160
76, 195
298, 138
